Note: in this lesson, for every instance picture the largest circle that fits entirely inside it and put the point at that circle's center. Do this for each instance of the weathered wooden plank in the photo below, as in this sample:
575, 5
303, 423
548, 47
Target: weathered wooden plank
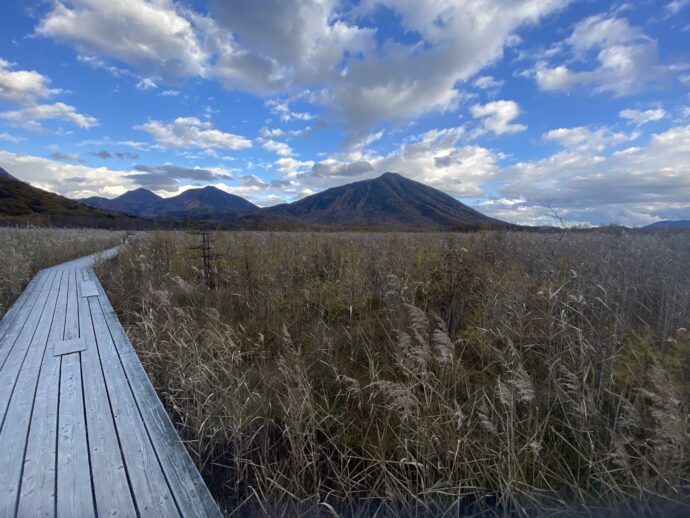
149, 486
9, 371
15, 429
62, 347
188, 488
16, 326
109, 477
88, 289
37, 497
74, 493
25, 298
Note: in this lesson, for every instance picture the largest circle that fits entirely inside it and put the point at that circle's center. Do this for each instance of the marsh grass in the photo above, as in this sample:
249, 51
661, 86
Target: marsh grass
25, 251
421, 374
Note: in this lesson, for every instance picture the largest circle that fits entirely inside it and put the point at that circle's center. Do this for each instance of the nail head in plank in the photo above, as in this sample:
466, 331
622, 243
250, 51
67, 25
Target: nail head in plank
68, 346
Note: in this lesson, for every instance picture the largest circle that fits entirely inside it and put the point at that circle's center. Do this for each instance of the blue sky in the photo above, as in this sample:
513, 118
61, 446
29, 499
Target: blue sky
505, 104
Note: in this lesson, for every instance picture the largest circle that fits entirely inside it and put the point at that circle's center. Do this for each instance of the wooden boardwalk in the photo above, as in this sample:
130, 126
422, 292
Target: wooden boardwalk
82, 431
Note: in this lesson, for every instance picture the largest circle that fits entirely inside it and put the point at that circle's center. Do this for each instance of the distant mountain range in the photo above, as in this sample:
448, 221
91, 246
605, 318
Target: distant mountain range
191, 204
682, 224
390, 201
21, 204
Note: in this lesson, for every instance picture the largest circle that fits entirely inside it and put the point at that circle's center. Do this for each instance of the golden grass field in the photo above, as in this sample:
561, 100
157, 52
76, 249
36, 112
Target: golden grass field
421, 374
25, 251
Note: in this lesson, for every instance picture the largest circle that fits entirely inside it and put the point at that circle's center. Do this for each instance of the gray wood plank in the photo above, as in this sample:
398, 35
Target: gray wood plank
15, 430
9, 371
15, 327
62, 347
88, 289
190, 491
74, 493
148, 483
37, 497
109, 477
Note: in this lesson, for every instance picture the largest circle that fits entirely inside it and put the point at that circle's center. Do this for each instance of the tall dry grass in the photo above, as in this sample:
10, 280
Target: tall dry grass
25, 251
421, 374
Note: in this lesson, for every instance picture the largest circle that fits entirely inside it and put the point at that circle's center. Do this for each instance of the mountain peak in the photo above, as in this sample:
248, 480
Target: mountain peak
388, 201
5, 174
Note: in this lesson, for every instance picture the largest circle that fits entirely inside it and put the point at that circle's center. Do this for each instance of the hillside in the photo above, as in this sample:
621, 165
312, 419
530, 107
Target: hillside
674, 224
389, 201
22, 204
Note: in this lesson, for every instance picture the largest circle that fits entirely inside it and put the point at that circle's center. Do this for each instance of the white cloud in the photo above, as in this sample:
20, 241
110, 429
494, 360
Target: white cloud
146, 83
640, 117
272, 132
291, 167
487, 83
582, 138
191, 132
272, 47
282, 109
433, 157
72, 180
151, 34
170, 93
633, 186
627, 59
497, 117
29, 116
675, 6
23, 86
279, 148
9, 138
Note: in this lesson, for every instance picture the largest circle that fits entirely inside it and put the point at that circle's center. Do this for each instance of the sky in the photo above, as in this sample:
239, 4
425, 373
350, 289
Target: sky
515, 107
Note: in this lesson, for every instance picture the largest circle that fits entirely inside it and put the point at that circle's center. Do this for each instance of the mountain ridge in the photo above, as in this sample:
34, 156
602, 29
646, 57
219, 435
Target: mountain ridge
389, 201
144, 203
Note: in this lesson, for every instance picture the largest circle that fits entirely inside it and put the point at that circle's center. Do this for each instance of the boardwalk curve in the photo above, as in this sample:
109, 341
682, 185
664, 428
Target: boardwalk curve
82, 431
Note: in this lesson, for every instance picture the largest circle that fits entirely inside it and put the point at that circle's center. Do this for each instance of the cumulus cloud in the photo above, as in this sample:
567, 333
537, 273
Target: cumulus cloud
165, 177
640, 117
626, 59
497, 117
434, 157
330, 168
29, 116
71, 180
279, 148
155, 35
634, 186
582, 138
320, 46
23, 86
191, 132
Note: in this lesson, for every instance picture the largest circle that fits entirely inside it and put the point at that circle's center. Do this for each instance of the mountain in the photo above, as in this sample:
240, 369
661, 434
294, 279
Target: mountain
4, 174
21, 204
191, 204
681, 223
390, 201
131, 202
